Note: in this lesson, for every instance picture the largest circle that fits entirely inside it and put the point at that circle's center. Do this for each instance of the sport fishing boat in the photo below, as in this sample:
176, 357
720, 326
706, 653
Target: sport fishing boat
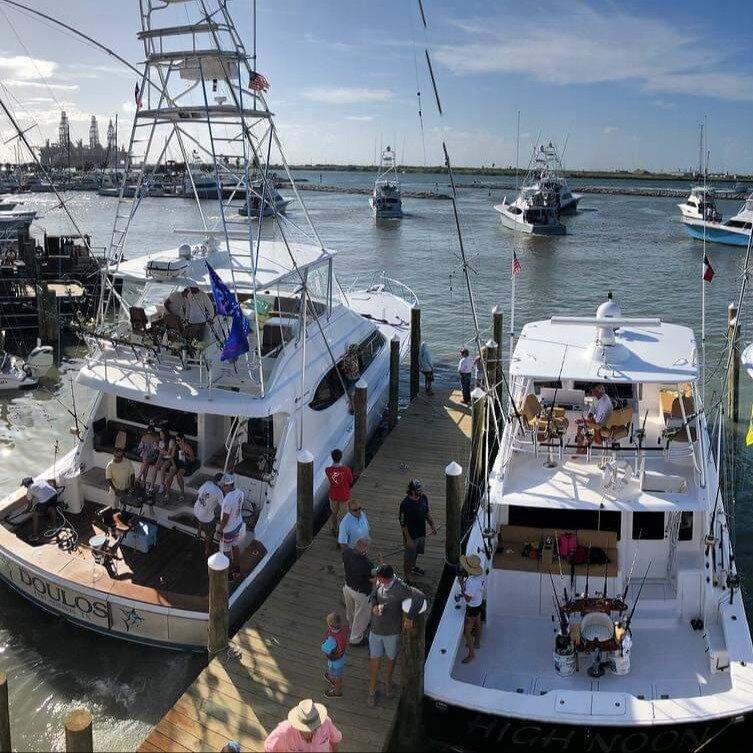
700, 205
13, 218
264, 200
385, 200
534, 211
251, 383
733, 232
547, 175
19, 374
614, 615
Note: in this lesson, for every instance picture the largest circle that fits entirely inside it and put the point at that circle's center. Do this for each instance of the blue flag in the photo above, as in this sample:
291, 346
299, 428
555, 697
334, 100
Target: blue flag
236, 343
224, 300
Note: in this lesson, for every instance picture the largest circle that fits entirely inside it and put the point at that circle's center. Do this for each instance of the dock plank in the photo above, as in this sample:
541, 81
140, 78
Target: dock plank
279, 662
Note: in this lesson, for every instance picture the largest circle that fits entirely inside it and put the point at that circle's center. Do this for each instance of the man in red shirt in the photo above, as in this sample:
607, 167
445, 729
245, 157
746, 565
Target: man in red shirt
340, 480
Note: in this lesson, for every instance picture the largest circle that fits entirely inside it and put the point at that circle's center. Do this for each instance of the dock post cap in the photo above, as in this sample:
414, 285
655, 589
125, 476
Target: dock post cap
491, 343
453, 469
218, 561
304, 456
395, 338
407, 603
477, 393
496, 309
416, 307
362, 384
78, 720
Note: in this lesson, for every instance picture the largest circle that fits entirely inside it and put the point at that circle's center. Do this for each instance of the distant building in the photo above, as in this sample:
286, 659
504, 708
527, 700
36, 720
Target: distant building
64, 153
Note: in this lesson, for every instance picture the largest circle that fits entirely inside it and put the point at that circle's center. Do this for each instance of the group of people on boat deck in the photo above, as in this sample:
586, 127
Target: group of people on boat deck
168, 455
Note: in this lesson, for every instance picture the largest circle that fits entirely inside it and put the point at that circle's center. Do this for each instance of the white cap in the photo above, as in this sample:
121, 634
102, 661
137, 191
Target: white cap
228, 479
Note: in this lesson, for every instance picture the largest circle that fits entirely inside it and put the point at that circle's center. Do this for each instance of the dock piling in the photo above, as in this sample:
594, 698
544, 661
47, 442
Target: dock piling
304, 529
415, 346
78, 731
497, 325
218, 630
491, 350
453, 508
394, 382
478, 435
412, 657
733, 377
360, 434
4, 715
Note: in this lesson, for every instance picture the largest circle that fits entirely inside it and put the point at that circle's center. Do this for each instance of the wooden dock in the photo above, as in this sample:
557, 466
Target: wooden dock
279, 661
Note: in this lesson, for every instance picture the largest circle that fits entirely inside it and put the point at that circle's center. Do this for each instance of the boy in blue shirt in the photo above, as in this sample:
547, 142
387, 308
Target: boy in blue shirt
334, 646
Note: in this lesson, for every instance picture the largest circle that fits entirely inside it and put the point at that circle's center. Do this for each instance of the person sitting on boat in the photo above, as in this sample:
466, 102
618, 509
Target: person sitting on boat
182, 459
44, 498
166, 460
472, 584
174, 303
148, 455
119, 475
232, 527
598, 413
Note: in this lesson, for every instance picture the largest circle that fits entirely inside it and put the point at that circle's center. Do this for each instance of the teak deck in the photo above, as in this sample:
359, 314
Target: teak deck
280, 661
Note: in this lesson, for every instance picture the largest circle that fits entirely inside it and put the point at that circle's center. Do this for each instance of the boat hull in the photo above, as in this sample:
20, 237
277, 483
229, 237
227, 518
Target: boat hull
571, 205
715, 233
386, 213
526, 227
452, 728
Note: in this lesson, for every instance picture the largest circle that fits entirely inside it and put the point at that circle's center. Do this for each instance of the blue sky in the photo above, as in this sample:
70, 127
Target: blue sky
627, 83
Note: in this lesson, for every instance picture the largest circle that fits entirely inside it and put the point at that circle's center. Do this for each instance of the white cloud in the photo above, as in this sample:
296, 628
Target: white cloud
26, 68
343, 95
128, 106
581, 44
610, 129
360, 118
40, 85
664, 104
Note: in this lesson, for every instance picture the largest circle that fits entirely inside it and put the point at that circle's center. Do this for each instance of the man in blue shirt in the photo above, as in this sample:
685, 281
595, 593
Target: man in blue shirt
353, 526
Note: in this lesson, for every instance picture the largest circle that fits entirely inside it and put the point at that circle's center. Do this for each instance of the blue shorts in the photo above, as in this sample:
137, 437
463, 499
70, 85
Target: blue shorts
47, 504
335, 668
379, 645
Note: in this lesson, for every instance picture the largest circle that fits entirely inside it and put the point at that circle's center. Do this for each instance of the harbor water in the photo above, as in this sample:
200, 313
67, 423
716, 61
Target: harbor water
633, 246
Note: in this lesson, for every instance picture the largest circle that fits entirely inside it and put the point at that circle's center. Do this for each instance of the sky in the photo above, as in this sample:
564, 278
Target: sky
615, 85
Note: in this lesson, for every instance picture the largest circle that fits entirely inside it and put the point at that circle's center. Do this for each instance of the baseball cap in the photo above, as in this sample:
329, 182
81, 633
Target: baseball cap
385, 571
228, 479
415, 485
27, 481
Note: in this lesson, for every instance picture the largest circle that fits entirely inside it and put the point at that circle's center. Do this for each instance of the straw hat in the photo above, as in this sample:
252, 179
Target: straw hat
307, 715
471, 564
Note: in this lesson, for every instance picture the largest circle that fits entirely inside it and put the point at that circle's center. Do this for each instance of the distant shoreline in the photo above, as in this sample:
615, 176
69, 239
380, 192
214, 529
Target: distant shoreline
510, 172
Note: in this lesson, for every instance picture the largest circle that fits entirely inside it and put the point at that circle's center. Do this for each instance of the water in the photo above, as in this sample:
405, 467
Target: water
634, 246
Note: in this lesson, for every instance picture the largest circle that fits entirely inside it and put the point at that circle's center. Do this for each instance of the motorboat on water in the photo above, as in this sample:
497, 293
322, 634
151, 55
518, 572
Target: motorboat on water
701, 205
19, 374
235, 341
614, 614
546, 173
13, 219
733, 232
264, 200
534, 211
385, 200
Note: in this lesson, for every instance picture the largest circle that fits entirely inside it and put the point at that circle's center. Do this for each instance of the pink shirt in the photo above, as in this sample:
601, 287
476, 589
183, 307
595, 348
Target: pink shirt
287, 739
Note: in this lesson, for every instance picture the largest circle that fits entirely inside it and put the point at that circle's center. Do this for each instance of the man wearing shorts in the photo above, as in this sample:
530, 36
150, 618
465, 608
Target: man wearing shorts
208, 499
43, 497
414, 515
231, 527
472, 584
340, 480
386, 626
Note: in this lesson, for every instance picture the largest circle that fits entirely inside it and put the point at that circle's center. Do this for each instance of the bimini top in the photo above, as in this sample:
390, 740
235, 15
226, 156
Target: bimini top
189, 264
604, 348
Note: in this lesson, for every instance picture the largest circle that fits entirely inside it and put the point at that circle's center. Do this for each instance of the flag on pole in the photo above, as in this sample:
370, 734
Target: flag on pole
137, 96
516, 265
225, 302
708, 270
236, 343
749, 435
257, 82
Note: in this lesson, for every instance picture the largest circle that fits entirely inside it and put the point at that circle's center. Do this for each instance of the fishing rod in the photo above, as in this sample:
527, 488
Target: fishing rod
632, 566
637, 598
588, 570
606, 570
560, 610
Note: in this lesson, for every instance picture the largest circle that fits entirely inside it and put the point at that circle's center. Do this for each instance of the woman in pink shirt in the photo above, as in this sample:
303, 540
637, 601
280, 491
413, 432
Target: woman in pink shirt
308, 728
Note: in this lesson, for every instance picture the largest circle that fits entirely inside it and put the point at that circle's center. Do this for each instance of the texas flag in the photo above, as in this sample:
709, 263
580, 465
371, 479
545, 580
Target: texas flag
137, 96
708, 270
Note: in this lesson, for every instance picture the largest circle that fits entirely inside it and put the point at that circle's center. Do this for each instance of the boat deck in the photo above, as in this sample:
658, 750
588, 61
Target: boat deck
280, 662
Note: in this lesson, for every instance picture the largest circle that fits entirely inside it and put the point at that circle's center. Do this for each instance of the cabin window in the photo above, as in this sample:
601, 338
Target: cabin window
369, 349
615, 390
261, 431
329, 391
648, 526
686, 526
145, 413
565, 520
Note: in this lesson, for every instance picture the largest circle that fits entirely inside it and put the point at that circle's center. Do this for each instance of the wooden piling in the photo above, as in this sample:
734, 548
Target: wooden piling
497, 326
304, 528
394, 382
47, 314
415, 346
412, 658
491, 350
733, 376
478, 435
218, 630
4, 715
360, 433
453, 508
78, 731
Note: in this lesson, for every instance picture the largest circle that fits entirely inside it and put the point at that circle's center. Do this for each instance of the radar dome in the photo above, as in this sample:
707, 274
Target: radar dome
184, 251
610, 309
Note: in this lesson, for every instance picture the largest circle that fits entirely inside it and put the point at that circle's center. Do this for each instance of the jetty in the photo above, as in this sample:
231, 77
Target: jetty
406, 193
275, 661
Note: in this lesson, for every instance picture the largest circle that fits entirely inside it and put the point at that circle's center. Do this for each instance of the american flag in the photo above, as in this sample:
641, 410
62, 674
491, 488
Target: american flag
516, 265
137, 96
708, 270
257, 82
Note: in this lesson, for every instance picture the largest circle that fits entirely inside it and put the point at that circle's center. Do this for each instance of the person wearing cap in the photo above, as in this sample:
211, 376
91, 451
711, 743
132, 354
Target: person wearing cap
414, 515
472, 582
386, 626
208, 499
353, 526
119, 475
426, 366
307, 728
465, 369
44, 498
231, 527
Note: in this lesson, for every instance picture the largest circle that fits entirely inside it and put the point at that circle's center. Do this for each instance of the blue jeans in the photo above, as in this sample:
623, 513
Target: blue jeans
465, 384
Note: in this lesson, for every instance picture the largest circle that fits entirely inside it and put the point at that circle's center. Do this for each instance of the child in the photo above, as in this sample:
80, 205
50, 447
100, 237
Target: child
334, 646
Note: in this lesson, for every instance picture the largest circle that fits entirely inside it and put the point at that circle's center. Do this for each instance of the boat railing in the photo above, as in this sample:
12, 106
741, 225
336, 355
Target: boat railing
384, 283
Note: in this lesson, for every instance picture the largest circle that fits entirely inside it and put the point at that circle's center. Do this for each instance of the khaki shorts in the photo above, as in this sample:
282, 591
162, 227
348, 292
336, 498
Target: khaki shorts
412, 552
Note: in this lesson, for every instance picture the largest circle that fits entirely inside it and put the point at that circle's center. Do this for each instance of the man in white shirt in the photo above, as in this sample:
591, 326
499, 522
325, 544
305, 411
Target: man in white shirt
599, 412
197, 310
231, 527
465, 369
44, 497
208, 499
472, 583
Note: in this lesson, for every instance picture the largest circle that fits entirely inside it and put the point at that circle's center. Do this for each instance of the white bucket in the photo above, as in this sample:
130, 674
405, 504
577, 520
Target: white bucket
622, 663
564, 664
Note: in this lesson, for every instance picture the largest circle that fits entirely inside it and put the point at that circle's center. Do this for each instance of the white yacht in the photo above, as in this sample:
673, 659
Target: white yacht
547, 173
534, 211
264, 200
385, 200
700, 205
732, 232
638, 640
13, 219
250, 413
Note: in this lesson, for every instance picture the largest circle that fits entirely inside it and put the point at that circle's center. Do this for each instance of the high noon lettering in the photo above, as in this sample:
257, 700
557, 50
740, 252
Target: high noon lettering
58, 595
